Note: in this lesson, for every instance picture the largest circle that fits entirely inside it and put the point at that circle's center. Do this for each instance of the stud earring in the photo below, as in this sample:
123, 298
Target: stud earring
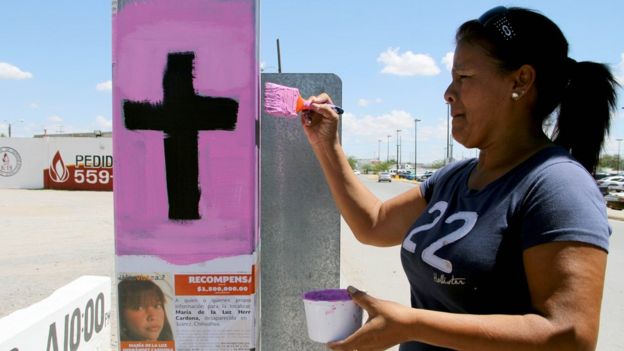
515, 96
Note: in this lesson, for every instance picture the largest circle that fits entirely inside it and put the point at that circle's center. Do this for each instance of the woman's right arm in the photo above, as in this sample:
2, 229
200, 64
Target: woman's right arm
372, 221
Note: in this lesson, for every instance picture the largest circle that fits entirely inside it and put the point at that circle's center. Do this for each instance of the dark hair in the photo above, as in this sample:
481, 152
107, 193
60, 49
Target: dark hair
583, 93
132, 292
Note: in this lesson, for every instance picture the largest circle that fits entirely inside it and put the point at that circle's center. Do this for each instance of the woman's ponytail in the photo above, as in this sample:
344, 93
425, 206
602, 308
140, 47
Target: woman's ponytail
585, 111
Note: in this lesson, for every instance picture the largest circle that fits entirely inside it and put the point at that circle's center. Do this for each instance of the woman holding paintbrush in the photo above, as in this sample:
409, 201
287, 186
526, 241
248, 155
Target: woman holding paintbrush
506, 251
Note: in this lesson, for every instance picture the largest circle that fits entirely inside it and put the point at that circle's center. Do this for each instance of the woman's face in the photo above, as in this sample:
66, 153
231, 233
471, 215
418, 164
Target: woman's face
145, 322
479, 96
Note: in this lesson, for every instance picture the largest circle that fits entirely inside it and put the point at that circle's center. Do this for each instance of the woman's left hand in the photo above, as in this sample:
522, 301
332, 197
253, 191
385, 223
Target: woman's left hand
388, 325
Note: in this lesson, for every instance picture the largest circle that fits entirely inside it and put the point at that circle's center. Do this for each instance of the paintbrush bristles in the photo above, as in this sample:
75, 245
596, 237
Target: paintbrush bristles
280, 100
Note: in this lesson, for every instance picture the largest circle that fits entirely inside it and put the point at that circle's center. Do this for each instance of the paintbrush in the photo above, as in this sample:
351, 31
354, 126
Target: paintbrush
286, 101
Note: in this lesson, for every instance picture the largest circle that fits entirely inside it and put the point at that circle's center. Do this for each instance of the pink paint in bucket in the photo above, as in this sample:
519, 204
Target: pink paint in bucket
331, 315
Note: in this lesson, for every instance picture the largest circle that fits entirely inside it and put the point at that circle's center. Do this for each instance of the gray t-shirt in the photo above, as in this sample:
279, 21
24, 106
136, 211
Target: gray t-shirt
464, 253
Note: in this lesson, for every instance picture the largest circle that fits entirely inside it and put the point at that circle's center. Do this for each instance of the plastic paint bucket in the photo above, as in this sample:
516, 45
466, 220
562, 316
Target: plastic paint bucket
331, 314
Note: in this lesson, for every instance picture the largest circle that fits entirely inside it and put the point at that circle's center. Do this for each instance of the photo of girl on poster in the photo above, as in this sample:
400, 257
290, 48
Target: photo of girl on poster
142, 310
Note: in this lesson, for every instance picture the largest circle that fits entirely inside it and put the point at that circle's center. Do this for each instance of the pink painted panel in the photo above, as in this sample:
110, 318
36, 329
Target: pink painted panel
154, 44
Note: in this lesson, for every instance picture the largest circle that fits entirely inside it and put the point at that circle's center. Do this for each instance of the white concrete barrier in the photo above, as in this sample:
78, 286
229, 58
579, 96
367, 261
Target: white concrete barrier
75, 317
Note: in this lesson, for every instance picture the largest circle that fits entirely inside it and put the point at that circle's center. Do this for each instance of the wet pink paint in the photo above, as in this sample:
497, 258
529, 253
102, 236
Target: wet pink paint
222, 34
328, 295
280, 100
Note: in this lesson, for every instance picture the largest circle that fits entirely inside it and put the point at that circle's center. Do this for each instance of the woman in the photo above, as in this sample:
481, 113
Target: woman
141, 311
507, 251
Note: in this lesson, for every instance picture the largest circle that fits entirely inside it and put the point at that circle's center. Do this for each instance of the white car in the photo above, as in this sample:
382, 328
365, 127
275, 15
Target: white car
357, 172
384, 177
613, 183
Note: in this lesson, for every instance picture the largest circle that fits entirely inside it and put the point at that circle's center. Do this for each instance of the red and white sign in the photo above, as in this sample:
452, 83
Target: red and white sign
88, 172
214, 284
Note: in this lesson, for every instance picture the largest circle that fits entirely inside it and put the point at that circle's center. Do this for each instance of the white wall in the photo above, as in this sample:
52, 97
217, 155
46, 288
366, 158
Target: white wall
32, 154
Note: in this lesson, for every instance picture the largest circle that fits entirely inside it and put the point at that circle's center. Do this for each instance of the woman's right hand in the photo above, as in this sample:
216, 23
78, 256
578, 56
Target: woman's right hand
321, 121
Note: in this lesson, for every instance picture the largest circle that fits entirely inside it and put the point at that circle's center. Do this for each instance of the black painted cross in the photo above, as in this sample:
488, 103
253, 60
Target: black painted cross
180, 115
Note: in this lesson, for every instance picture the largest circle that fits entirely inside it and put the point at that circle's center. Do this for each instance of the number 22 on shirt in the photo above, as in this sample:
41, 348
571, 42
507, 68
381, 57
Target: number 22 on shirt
428, 254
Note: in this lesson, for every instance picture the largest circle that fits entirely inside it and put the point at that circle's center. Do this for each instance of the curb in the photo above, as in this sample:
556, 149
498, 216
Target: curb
615, 214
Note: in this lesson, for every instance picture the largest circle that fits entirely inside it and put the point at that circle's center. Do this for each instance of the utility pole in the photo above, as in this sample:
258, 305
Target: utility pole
279, 58
388, 152
416, 120
378, 149
398, 131
451, 148
10, 126
618, 163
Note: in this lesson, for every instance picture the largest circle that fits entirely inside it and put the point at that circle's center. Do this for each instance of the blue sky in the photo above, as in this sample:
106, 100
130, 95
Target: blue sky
55, 62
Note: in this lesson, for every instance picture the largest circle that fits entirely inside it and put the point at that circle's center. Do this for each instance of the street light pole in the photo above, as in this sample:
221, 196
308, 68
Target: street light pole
618, 163
388, 151
279, 58
378, 149
9, 126
416, 120
398, 131
400, 158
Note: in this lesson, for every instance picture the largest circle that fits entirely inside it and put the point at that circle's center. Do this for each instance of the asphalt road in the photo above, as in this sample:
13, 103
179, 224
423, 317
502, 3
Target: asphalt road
379, 271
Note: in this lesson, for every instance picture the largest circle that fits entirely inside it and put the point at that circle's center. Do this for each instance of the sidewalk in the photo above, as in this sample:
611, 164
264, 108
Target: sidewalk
615, 214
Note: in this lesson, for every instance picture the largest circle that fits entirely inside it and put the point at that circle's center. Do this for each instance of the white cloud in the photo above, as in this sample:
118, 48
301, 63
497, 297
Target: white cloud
8, 71
437, 132
55, 118
104, 86
447, 60
373, 128
104, 123
407, 63
367, 102
33, 105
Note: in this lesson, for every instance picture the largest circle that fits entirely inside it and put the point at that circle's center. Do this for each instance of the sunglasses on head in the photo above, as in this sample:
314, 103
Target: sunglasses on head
496, 19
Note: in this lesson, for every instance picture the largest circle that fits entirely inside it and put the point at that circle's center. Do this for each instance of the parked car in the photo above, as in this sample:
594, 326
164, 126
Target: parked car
384, 177
409, 176
615, 201
424, 176
357, 172
613, 183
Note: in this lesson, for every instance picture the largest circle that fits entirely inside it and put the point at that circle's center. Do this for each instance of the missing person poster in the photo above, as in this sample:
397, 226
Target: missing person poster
185, 110
160, 311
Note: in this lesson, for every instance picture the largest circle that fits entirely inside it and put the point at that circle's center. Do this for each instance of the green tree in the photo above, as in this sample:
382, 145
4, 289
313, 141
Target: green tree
609, 161
367, 168
352, 162
437, 164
